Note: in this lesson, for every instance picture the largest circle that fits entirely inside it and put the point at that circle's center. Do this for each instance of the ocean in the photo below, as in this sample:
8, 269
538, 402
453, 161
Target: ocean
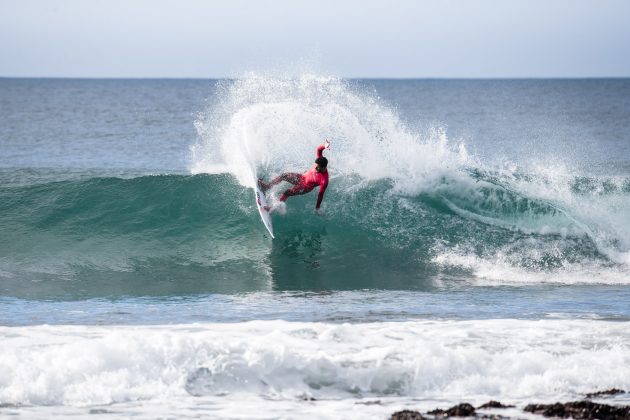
474, 244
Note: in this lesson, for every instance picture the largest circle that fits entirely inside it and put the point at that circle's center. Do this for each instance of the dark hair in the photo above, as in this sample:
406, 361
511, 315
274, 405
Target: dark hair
321, 161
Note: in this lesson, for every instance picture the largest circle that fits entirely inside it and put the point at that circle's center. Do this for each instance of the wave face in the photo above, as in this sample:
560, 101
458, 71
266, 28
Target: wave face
182, 234
406, 209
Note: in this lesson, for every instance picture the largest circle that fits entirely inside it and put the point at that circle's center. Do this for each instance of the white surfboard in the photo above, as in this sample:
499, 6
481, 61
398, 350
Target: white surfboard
261, 202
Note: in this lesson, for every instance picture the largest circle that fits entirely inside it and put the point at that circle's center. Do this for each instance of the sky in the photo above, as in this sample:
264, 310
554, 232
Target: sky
348, 38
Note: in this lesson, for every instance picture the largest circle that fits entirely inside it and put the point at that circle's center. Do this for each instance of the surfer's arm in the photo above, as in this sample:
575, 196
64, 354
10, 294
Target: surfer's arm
322, 147
320, 196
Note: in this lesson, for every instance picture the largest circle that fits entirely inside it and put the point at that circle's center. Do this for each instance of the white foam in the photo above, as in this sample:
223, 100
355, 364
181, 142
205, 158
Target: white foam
503, 268
452, 361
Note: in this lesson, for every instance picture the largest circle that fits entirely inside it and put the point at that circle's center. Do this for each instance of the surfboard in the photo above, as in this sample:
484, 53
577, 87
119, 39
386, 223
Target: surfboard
261, 202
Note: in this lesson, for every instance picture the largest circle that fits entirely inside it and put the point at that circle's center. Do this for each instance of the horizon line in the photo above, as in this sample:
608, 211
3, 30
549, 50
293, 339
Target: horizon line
341, 77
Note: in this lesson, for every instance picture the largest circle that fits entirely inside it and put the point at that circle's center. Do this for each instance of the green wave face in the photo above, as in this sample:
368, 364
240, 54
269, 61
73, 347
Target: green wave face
180, 234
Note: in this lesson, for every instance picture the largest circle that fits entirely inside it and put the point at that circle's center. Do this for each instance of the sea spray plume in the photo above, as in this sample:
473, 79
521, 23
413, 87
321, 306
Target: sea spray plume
270, 124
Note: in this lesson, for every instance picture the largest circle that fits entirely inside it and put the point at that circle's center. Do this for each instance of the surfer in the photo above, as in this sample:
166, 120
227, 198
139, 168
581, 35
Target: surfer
304, 183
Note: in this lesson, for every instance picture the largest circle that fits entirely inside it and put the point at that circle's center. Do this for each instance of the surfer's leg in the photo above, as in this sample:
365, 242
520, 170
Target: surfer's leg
297, 190
290, 177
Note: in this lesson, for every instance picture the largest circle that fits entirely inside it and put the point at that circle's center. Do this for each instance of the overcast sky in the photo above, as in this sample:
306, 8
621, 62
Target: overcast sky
351, 38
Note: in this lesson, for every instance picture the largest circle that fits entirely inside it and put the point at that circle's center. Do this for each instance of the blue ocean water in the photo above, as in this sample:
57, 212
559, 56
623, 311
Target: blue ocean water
468, 224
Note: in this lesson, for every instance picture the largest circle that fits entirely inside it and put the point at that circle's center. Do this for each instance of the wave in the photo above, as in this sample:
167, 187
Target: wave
405, 187
509, 360
199, 233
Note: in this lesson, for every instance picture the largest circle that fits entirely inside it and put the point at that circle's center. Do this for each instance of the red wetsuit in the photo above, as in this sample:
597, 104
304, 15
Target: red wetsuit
305, 182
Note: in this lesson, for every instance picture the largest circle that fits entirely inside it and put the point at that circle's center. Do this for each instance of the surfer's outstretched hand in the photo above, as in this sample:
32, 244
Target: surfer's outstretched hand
326, 144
